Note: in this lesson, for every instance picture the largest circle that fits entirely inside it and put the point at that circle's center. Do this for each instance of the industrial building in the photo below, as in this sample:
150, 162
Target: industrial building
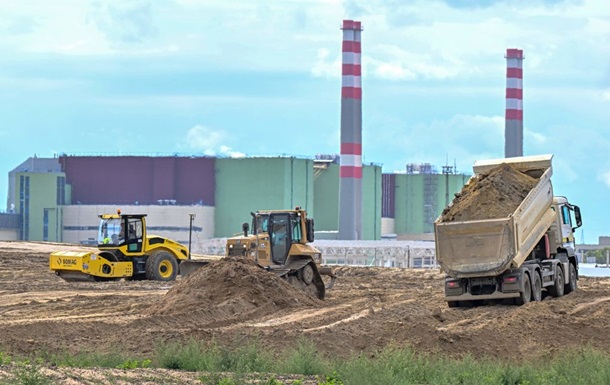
59, 199
413, 200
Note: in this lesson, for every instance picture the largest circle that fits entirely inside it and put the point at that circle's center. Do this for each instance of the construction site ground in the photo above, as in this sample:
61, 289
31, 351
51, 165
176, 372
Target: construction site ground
367, 310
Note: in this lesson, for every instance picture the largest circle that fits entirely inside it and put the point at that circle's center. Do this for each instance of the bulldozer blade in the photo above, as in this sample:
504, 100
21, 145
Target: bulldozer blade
331, 283
189, 266
328, 271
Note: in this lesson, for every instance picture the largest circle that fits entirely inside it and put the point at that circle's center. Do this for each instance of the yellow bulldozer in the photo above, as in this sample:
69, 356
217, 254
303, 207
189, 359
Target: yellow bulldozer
279, 243
125, 250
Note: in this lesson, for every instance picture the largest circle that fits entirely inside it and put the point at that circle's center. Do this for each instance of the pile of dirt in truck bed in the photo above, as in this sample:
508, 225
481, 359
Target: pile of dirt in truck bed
496, 194
231, 289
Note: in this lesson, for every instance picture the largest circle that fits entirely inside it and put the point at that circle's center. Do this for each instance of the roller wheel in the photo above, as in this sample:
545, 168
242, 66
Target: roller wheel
306, 274
161, 266
570, 287
526, 295
537, 287
557, 290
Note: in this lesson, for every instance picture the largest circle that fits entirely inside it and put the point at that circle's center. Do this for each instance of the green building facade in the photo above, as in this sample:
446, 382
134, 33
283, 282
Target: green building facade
420, 199
245, 185
39, 198
326, 203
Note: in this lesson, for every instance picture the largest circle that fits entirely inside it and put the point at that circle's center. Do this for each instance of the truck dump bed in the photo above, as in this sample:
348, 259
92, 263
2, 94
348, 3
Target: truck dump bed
482, 247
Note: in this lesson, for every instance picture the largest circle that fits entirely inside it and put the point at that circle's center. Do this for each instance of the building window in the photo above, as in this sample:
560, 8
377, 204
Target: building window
61, 190
45, 225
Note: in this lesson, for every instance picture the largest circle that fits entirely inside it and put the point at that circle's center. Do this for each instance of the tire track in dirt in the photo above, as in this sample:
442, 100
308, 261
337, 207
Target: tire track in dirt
368, 309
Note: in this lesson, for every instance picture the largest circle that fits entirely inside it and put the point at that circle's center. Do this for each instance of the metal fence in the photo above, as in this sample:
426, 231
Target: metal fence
337, 253
383, 256
10, 221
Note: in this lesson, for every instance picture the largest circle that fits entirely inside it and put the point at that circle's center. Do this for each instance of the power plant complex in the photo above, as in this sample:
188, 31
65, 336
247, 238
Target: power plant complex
60, 198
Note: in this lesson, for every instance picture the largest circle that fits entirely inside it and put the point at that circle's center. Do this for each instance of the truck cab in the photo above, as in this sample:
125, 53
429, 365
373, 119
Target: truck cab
568, 220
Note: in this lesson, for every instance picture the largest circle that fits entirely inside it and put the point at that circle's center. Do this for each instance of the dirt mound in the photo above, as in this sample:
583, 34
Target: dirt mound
493, 195
231, 289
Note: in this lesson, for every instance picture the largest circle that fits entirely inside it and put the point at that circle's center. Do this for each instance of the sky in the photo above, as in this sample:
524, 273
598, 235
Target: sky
247, 77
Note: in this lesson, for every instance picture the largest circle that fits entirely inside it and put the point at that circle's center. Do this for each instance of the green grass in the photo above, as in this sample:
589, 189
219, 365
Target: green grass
403, 367
194, 356
114, 360
304, 359
249, 362
27, 373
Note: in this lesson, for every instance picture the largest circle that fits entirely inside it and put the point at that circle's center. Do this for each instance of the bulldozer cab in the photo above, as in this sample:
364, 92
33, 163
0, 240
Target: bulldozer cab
116, 230
285, 229
280, 235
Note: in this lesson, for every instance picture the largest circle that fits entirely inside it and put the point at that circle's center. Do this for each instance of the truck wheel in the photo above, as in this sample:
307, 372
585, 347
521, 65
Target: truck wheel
557, 289
526, 295
570, 287
161, 267
537, 288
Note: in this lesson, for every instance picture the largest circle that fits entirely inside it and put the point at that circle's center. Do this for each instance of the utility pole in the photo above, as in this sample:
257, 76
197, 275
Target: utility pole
192, 217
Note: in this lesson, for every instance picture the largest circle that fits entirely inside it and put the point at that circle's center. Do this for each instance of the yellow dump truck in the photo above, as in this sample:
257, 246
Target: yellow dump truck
516, 256
125, 250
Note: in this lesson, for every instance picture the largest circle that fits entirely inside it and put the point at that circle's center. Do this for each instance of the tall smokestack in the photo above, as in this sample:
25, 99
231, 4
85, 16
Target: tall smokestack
513, 129
350, 198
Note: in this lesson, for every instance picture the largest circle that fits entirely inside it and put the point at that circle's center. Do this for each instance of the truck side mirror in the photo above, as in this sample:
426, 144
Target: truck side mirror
578, 216
245, 227
309, 226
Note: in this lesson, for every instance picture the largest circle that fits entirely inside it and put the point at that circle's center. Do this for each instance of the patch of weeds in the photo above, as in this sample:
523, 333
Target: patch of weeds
220, 379
192, 357
272, 381
304, 360
332, 379
28, 373
134, 364
5, 359
115, 360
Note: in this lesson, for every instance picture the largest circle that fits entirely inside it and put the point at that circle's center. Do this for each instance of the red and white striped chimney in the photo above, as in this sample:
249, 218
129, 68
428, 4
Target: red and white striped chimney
350, 196
513, 129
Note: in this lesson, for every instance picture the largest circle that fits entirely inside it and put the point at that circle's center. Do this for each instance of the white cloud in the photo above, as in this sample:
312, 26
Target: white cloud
226, 150
605, 177
209, 141
606, 95
123, 22
205, 139
537, 137
393, 71
325, 66
430, 39
464, 138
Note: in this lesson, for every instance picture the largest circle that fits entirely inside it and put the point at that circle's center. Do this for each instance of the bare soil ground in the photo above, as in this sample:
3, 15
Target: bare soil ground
367, 310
